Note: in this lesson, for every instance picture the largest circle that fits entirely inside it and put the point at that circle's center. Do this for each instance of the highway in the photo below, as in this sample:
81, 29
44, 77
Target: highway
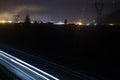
22, 69
29, 67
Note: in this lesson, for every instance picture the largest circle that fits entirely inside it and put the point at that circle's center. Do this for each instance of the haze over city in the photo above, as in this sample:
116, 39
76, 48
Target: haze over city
55, 10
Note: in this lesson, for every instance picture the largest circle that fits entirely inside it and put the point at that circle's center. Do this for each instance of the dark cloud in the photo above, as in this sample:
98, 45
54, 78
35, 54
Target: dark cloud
54, 10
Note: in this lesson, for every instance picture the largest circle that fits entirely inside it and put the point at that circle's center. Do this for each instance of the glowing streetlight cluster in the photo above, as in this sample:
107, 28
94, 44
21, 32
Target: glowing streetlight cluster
4, 21
60, 23
79, 23
111, 24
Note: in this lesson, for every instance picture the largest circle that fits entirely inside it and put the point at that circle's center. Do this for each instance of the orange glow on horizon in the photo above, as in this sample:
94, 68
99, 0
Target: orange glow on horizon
79, 23
3, 21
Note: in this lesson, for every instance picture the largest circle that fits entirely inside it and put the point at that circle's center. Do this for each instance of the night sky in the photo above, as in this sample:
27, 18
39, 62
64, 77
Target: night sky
54, 10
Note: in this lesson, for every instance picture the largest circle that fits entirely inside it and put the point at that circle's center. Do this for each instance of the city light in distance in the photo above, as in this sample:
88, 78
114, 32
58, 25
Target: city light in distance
4, 21
88, 24
111, 24
60, 23
10, 21
79, 23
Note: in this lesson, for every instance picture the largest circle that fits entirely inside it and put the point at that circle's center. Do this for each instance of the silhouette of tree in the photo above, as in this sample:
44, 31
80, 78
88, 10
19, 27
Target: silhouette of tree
41, 22
27, 20
35, 22
16, 18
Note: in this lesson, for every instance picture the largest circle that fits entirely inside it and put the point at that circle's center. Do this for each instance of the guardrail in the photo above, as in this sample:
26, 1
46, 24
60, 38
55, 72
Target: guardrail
22, 69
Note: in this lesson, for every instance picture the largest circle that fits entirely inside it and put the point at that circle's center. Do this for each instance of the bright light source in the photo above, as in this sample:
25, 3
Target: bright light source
9, 21
59, 23
88, 24
32, 22
95, 24
111, 24
3, 21
79, 23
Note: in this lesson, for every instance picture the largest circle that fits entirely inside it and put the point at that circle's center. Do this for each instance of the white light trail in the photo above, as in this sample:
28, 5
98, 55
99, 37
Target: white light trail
25, 67
17, 68
28, 66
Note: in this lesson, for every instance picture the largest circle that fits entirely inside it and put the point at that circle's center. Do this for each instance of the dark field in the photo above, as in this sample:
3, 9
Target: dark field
91, 49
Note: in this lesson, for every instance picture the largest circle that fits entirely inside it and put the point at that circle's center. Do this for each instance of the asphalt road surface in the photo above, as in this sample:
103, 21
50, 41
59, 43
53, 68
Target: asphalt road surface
29, 67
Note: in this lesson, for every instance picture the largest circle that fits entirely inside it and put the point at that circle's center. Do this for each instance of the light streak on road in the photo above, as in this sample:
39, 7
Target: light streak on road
21, 64
25, 67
